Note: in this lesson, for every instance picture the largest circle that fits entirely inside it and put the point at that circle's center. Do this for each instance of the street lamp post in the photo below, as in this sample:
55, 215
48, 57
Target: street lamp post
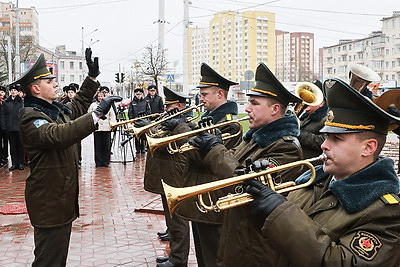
83, 47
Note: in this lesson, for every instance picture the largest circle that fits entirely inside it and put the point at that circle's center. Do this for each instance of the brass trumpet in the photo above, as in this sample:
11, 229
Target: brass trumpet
310, 94
138, 131
173, 148
175, 195
114, 125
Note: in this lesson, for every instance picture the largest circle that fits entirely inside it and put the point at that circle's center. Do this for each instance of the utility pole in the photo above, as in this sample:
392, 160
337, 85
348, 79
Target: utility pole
9, 59
161, 22
17, 56
186, 24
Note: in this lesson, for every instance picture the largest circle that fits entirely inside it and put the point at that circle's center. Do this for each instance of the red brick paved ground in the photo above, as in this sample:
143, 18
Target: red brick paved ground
109, 231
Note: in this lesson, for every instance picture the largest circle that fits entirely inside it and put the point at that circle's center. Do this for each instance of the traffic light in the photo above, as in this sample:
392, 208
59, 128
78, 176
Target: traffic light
117, 77
122, 77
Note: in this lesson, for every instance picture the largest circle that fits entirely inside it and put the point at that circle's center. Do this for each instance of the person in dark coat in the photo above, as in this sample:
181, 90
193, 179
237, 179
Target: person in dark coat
311, 121
70, 91
155, 101
49, 132
272, 137
3, 131
137, 108
10, 117
349, 214
206, 226
171, 168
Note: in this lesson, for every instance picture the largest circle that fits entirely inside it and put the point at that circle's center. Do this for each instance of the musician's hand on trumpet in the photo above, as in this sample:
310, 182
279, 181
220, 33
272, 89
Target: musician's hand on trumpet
141, 122
170, 125
205, 141
265, 200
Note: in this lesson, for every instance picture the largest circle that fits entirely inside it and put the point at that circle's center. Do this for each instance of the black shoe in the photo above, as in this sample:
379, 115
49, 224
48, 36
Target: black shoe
162, 233
13, 167
162, 259
20, 167
170, 264
166, 237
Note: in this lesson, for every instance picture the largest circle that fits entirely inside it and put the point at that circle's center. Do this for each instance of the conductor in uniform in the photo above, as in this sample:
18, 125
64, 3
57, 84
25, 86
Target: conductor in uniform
49, 133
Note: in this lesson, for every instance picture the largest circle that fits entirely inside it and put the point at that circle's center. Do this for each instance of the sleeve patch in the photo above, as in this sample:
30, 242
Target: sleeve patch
228, 117
365, 245
39, 122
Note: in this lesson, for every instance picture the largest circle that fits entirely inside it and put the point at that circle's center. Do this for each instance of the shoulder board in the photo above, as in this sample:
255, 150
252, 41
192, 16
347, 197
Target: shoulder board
288, 138
390, 199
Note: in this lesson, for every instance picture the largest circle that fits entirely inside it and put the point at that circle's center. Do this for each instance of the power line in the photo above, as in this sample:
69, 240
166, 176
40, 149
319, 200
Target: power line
71, 7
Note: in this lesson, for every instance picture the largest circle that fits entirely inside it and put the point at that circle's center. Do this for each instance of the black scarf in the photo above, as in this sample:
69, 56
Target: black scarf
51, 110
361, 189
264, 136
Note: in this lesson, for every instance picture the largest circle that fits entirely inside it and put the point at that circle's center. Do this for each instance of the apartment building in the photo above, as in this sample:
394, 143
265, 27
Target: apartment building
233, 43
28, 22
294, 56
380, 51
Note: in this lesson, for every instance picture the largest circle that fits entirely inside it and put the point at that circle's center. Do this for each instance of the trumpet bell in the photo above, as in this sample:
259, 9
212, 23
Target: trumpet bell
389, 98
309, 93
361, 76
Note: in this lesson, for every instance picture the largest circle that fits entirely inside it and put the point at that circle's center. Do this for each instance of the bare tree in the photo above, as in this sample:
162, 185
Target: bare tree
26, 50
154, 62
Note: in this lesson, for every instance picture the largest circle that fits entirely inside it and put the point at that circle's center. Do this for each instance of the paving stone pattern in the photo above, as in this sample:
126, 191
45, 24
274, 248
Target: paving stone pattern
118, 222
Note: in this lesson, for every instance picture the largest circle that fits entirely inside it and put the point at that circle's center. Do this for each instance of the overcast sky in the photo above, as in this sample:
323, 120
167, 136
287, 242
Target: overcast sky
125, 27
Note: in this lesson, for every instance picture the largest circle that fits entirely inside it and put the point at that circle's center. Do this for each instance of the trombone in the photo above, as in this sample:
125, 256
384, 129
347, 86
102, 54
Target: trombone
310, 94
173, 147
138, 131
114, 125
175, 195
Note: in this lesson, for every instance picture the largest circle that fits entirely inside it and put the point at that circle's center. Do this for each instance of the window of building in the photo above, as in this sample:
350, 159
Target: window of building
62, 64
62, 78
71, 78
71, 65
80, 65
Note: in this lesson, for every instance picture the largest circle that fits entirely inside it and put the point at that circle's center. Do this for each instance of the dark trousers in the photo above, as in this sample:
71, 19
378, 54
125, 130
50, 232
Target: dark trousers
140, 145
102, 148
3, 145
16, 148
51, 246
206, 240
178, 230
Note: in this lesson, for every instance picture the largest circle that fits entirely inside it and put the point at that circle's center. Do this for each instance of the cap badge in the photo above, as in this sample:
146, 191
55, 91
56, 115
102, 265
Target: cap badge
330, 83
330, 116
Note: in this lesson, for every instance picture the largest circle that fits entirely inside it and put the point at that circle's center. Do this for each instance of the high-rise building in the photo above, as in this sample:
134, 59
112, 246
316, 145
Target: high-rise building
294, 56
233, 43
